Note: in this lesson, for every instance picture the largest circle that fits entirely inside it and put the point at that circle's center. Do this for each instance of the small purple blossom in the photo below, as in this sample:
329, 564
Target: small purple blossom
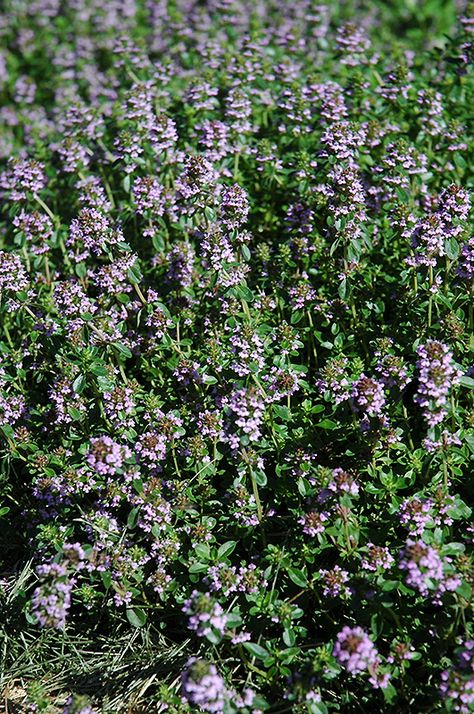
234, 207
206, 616
377, 557
368, 396
106, 456
437, 375
313, 522
203, 687
354, 650
52, 598
12, 273
425, 570
334, 582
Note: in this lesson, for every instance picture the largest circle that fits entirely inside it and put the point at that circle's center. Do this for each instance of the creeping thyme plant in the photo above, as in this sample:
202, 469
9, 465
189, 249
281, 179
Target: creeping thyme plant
236, 323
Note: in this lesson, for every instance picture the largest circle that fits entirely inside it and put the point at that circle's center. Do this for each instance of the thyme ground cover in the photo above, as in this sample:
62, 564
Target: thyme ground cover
236, 417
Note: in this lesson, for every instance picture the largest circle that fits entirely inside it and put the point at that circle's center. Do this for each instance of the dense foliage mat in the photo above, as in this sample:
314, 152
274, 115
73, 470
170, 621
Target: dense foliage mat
236, 282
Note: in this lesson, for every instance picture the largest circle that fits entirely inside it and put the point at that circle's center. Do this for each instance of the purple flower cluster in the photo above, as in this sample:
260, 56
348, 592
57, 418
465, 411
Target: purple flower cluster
234, 207
342, 482
203, 687
12, 409
430, 234
334, 379
457, 685
106, 456
71, 300
334, 582
52, 598
353, 44
377, 558
205, 615
37, 229
12, 273
227, 579
368, 396
90, 234
354, 650
415, 514
149, 196
151, 448
64, 399
22, 178
246, 407
119, 406
390, 368
426, 571
437, 375
465, 267
313, 522
443, 443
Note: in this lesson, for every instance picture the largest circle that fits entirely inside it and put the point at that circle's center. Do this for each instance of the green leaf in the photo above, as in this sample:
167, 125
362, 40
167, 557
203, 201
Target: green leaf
453, 548
81, 270
304, 487
327, 424
256, 650
122, 350
467, 381
342, 289
198, 568
209, 213
469, 441
459, 160
106, 579
79, 384
354, 250
260, 478
465, 590
105, 384
136, 616
133, 518
318, 708
296, 316
214, 636
98, 369
202, 551
298, 577
75, 413
389, 693
246, 252
158, 243
226, 549
157, 531
233, 620
244, 293
135, 274
8, 431
282, 412
452, 248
